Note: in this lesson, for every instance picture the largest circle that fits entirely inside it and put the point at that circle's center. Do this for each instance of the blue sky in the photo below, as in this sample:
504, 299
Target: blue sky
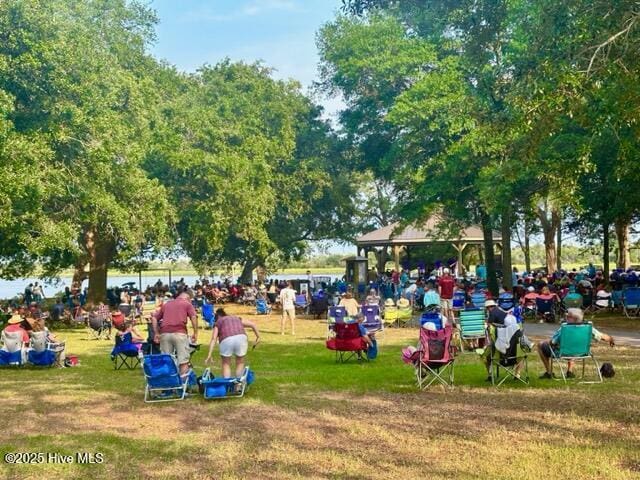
279, 32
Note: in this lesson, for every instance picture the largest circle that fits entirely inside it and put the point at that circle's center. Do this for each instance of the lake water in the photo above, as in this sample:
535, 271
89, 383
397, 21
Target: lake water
10, 288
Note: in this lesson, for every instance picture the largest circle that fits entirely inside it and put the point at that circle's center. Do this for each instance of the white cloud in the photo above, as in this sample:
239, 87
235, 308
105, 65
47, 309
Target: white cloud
256, 7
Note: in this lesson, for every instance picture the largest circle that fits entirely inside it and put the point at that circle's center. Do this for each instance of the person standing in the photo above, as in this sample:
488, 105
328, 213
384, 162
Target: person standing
287, 300
446, 284
312, 283
170, 329
28, 294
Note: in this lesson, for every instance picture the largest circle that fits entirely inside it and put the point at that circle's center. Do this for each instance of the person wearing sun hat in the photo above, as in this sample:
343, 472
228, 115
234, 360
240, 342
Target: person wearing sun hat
17, 324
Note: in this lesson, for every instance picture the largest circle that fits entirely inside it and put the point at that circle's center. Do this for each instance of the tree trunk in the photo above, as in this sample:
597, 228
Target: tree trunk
622, 233
100, 252
527, 247
507, 279
559, 244
487, 233
605, 252
550, 223
247, 272
79, 273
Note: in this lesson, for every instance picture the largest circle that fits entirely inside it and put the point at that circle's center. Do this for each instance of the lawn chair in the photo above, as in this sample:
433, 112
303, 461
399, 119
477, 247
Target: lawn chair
301, 303
603, 301
471, 326
401, 314
434, 360
545, 309
41, 352
125, 353
505, 301
588, 299
631, 301
163, 380
573, 300
457, 302
347, 343
97, 327
507, 353
208, 315
575, 345
13, 351
372, 321
434, 317
319, 305
218, 388
478, 299
337, 314
616, 300
262, 307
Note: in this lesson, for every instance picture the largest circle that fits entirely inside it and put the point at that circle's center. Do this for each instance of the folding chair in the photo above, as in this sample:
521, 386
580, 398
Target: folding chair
336, 314
505, 301
471, 326
125, 353
575, 345
41, 352
545, 309
372, 321
13, 351
235, 387
163, 380
301, 303
97, 327
208, 315
631, 301
573, 300
347, 343
507, 337
262, 307
457, 303
478, 299
434, 360
434, 317
616, 299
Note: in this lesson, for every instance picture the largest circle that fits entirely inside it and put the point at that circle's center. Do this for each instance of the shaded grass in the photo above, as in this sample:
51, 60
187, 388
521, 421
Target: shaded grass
308, 417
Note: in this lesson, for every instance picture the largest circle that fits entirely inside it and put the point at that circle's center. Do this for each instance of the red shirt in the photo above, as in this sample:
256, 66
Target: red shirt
446, 285
17, 328
174, 315
229, 326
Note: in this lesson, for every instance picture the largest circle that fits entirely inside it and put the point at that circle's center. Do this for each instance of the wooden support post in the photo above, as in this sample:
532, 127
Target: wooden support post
459, 265
396, 257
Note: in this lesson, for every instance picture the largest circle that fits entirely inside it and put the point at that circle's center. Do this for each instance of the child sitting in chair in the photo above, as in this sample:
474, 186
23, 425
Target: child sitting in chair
369, 338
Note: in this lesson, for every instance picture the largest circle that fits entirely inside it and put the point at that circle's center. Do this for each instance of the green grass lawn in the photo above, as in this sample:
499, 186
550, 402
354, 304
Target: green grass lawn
308, 417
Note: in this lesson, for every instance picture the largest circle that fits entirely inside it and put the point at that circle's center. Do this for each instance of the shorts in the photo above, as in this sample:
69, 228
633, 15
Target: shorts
176, 344
234, 345
446, 303
545, 348
289, 312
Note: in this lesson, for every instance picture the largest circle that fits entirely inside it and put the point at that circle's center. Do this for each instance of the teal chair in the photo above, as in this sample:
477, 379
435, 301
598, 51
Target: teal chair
573, 300
471, 326
575, 345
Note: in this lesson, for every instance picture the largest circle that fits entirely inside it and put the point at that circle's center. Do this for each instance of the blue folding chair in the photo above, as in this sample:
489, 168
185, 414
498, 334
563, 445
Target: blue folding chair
208, 315
13, 351
163, 380
545, 309
631, 301
505, 301
478, 299
125, 353
218, 388
434, 317
457, 302
372, 319
262, 307
301, 303
41, 352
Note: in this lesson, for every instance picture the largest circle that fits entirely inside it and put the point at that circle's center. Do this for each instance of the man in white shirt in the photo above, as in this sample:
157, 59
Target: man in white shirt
287, 300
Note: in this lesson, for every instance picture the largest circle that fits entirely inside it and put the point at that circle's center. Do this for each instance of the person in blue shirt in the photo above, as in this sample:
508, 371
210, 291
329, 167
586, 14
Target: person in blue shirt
431, 296
366, 336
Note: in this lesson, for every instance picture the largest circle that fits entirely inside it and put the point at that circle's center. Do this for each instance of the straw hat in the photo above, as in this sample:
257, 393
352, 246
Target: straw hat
15, 319
489, 303
389, 303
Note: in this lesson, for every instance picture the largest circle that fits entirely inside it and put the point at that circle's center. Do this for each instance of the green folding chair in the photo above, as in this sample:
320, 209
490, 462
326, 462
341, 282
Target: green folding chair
471, 326
575, 345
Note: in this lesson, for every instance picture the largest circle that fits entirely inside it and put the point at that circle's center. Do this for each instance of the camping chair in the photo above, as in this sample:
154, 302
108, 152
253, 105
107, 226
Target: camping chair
13, 350
125, 353
262, 307
43, 353
457, 303
603, 301
471, 326
347, 343
545, 309
434, 317
434, 360
402, 314
319, 305
588, 300
217, 388
337, 314
505, 301
372, 321
301, 303
478, 299
507, 353
163, 380
616, 299
631, 301
575, 345
207, 314
97, 327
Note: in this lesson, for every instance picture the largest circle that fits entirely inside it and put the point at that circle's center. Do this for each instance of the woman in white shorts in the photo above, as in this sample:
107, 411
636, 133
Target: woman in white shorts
229, 331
